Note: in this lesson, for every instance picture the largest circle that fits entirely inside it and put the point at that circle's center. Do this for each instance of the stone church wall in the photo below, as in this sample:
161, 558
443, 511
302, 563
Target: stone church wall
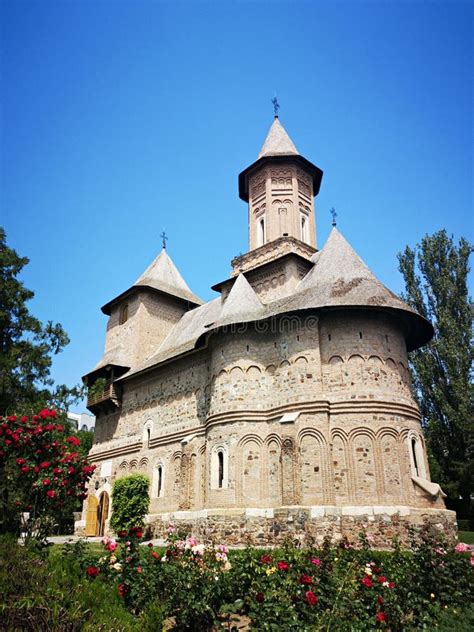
295, 428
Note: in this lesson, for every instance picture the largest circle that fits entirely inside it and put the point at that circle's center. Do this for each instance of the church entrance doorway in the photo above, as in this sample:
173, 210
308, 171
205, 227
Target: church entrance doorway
91, 516
102, 513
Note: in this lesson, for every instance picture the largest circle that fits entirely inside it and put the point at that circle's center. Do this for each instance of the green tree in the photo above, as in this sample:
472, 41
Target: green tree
435, 274
26, 345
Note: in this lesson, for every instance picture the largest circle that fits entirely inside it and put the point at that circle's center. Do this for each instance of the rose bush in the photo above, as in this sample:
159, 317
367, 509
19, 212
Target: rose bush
42, 474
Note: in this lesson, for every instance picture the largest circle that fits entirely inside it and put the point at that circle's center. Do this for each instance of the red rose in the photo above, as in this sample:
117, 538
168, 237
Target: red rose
139, 534
46, 481
367, 582
71, 470
260, 597
51, 493
391, 585
57, 470
380, 600
11, 418
122, 534
25, 469
381, 616
35, 417
266, 559
139, 569
311, 598
155, 555
45, 464
59, 428
92, 571
24, 419
282, 566
20, 461
381, 579
36, 469
306, 579
122, 589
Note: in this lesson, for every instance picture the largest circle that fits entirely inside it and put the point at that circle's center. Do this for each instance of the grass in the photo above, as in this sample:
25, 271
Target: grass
466, 536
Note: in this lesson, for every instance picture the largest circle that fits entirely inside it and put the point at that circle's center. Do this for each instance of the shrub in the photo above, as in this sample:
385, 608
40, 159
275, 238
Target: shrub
130, 502
42, 473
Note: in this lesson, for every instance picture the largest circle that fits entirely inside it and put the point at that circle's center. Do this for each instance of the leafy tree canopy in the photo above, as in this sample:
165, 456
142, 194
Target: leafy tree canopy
26, 345
435, 274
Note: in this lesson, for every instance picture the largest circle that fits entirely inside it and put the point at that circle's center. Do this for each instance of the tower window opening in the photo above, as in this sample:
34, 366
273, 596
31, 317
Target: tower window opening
261, 232
304, 229
413, 450
160, 481
248, 348
329, 336
148, 436
360, 335
123, 316
220, 475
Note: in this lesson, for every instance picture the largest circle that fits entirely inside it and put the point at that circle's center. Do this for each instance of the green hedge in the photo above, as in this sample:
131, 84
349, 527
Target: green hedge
130, 501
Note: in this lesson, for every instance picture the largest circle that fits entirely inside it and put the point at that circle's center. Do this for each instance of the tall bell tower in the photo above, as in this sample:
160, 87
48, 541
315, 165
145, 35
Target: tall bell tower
280, 188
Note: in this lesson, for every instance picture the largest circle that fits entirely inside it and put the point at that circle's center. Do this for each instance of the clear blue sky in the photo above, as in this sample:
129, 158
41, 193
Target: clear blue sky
120, 119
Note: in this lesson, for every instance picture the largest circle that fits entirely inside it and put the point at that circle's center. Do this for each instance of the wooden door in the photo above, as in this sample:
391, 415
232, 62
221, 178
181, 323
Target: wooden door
91, 516
102, 513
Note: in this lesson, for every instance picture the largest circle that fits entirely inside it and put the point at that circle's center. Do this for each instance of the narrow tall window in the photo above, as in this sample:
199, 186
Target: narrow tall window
413, 450
220, 460
304, 229
261, 232
160, 481
123, 317
148, 435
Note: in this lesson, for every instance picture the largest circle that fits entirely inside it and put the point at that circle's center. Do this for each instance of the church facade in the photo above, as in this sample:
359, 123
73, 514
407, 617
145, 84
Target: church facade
281, 408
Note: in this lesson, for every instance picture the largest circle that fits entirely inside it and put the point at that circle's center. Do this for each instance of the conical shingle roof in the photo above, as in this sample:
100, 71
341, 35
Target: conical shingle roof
242, 302
277, 142
340, 278
163, 275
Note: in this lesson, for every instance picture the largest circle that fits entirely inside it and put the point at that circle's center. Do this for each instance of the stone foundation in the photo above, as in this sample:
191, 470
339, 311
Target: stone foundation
269, 527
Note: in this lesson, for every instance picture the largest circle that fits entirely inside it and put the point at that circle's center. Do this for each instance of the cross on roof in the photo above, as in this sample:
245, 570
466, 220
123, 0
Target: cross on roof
334, 215
164, 239
276, 106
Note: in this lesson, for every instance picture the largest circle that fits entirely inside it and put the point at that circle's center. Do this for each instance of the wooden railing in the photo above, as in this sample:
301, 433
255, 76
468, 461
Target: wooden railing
109, 392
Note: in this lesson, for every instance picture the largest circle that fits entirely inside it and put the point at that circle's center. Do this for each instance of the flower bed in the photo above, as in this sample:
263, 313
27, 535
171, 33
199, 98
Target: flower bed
189, 585
292, 588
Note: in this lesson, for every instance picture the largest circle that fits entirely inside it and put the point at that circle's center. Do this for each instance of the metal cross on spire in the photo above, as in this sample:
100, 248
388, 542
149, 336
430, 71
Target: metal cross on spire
164, 239
276, 106
334, 215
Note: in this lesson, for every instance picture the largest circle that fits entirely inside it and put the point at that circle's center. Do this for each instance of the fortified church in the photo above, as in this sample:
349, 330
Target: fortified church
283, 407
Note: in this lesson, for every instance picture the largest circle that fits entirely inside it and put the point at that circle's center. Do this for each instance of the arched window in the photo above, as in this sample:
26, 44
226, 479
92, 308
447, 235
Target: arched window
304, 228
219, 467
147, 430
413, 452
261, 232
220, 459
159, 481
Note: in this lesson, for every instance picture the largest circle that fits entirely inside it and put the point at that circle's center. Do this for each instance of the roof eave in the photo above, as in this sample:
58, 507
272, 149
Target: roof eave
316, 172
106, 309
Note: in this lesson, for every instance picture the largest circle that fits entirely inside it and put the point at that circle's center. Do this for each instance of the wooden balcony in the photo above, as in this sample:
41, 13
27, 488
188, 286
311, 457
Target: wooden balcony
107, 399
